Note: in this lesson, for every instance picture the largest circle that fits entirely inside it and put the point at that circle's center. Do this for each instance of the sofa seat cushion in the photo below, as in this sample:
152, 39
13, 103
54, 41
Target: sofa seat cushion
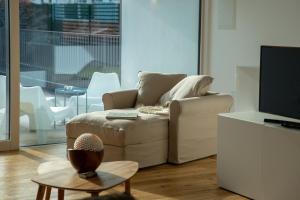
119, 132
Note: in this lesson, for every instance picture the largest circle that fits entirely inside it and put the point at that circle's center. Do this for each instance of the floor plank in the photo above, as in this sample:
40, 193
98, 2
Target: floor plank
194, 180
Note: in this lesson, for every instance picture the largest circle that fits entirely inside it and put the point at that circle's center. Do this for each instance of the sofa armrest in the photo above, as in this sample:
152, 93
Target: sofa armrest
193, 126
205, 104
120, 99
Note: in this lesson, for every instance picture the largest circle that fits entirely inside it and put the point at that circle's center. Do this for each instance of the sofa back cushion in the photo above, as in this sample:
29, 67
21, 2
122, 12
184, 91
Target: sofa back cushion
153, 85
191, 86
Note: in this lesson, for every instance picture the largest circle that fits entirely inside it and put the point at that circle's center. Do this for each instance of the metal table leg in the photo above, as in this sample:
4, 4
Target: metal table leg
86, 105
77, 104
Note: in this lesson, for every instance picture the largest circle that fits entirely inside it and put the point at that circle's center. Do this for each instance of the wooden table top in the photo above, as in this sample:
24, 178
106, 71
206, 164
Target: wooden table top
61, 175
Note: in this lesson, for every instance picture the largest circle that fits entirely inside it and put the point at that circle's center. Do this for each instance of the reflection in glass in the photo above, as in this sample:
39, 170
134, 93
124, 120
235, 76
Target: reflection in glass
4, 80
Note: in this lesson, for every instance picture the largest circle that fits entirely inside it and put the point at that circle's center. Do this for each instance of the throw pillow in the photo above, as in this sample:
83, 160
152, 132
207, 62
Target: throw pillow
156, 110
191, 86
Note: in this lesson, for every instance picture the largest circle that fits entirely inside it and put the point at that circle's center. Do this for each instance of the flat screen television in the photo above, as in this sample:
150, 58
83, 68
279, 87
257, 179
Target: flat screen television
280, 81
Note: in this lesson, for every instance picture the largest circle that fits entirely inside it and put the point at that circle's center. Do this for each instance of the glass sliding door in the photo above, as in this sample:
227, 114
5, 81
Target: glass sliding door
4, 72
8, 64
70, 54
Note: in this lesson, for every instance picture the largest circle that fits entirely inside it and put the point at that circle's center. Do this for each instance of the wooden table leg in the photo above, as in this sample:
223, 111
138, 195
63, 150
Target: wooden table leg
40, 193
95, 194
61, 194
48, 193
127, 187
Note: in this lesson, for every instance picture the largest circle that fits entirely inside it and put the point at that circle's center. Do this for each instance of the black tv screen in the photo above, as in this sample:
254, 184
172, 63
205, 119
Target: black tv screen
280, 81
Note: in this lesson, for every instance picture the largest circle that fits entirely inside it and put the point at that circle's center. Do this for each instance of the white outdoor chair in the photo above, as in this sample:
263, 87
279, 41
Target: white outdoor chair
41, 116
100, 84
2, 122
2, 105
3, 95
2, 91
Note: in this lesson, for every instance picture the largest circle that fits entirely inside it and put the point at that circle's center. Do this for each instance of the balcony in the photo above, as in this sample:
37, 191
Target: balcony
52, 60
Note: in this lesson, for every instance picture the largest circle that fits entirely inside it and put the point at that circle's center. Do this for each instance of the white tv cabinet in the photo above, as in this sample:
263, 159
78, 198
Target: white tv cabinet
256, 159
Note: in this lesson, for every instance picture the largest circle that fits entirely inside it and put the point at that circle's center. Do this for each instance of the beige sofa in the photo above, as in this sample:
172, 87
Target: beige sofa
186, 133
192, 127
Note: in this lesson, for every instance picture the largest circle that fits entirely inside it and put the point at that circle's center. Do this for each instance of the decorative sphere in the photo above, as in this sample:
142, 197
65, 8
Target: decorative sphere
88, 142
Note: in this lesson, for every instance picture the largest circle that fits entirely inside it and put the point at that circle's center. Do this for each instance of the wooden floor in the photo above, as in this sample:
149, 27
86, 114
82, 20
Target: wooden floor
194, 180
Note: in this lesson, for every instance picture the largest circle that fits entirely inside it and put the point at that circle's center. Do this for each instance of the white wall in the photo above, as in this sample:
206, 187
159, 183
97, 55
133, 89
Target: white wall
159, 35
258, 22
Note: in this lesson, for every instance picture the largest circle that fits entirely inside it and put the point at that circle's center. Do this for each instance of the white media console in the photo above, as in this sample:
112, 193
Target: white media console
256, 159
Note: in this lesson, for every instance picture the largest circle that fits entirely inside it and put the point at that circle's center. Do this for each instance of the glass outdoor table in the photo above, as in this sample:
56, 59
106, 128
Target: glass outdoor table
72, 91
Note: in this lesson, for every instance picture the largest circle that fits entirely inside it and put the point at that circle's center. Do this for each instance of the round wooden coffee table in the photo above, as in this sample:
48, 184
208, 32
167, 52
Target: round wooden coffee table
61, 175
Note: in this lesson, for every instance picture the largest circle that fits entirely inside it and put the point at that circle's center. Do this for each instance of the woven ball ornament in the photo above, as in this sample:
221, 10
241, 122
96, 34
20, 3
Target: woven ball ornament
88, 142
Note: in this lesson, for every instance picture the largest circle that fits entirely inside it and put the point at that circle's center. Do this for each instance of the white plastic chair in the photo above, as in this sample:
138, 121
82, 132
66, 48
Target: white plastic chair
2, 91
100, 84
2, 122
2, 105
41, 115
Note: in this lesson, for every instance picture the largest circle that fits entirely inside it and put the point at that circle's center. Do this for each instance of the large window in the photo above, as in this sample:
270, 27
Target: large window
70, 55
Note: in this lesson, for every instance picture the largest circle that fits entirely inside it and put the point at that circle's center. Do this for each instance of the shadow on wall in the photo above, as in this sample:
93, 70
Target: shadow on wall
247, 88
